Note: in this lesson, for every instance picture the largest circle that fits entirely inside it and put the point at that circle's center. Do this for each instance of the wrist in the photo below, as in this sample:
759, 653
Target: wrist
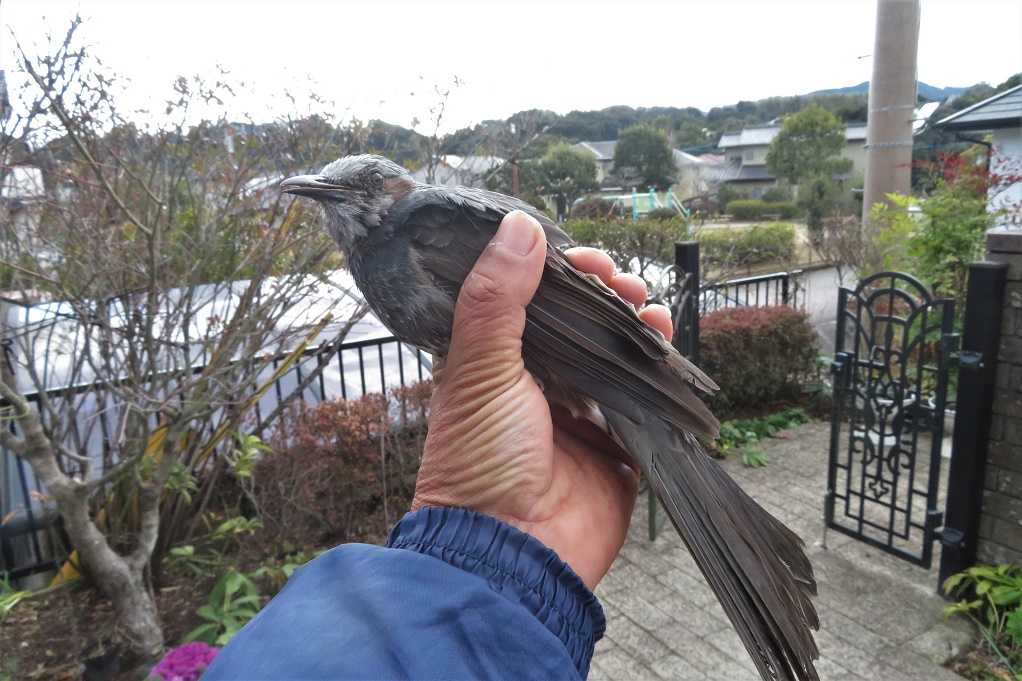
517, 565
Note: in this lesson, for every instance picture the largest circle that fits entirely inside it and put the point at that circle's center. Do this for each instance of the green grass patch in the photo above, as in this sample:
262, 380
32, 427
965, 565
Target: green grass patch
742, 435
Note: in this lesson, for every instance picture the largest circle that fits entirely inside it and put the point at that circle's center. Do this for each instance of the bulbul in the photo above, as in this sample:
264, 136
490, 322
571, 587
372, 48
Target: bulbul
410, 246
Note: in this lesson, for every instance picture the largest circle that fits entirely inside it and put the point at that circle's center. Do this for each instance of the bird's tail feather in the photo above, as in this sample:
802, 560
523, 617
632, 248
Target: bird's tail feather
753, 563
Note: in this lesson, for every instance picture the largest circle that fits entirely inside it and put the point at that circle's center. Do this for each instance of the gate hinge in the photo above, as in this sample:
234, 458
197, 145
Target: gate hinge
951, 538
841, 365
969, 359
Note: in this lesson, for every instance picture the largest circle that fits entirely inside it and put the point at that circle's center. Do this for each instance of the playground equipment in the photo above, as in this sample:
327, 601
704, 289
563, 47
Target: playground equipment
642, 203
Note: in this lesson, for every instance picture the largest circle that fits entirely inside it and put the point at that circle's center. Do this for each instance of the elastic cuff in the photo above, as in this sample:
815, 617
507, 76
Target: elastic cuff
516, 565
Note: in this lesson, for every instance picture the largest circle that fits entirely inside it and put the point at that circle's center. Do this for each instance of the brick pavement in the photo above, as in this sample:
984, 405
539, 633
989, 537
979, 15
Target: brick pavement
881, 618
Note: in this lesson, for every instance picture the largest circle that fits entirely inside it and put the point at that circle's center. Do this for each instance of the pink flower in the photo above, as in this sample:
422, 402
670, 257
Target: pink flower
185, 662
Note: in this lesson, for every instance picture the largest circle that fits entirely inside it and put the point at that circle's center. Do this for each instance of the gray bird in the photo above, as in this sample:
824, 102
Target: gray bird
410, 246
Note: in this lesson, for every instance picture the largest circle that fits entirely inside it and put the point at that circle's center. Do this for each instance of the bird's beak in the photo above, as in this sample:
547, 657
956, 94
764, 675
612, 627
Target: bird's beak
313, 186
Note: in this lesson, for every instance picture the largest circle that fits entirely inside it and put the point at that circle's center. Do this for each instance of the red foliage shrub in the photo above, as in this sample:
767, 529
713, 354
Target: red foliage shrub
332, 462
757, 355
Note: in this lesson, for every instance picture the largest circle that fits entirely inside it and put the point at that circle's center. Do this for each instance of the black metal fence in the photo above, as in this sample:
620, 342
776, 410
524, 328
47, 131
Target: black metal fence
31, 538
779, 288
689, 297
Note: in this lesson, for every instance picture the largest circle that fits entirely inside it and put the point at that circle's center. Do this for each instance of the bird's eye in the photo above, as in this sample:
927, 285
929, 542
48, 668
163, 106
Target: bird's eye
376, 178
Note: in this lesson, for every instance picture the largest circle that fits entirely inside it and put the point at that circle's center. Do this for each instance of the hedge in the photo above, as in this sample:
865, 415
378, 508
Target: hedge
647, 241
746, 209
786, 209
757, 355
741, 247
756, 209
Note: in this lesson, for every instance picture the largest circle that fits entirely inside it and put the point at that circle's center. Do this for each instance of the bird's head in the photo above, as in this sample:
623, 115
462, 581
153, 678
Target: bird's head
355, 192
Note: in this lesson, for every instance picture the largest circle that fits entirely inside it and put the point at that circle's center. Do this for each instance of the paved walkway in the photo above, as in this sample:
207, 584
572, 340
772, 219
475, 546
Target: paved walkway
881, 618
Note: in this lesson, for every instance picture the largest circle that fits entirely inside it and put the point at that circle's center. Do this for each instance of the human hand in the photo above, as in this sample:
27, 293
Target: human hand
495, 445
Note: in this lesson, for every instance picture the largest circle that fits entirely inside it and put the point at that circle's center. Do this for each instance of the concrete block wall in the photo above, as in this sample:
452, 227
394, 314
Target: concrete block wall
1001, 521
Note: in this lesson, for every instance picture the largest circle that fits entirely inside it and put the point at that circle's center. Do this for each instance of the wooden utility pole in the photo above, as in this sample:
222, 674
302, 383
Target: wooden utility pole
892, 99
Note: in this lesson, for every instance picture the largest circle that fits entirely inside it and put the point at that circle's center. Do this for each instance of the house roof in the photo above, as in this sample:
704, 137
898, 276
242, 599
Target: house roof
1003, 110
460, 170
730, 139
477, 165
762, 135
683, 159
604, 151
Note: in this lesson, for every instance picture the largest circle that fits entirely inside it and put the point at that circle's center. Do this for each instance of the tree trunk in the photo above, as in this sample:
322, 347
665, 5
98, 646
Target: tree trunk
120, 578
138, 618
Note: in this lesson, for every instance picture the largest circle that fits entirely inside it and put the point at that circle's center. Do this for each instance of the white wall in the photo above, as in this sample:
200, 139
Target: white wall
1007, 160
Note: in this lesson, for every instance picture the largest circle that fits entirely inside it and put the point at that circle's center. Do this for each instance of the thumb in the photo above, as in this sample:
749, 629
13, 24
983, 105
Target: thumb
489, 317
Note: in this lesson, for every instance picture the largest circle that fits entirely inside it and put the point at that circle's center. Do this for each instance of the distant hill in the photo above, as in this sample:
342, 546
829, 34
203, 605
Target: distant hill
687, 127
924, 90
531, 132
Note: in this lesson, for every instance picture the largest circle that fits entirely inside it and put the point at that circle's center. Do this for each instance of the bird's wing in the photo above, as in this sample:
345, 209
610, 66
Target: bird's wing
582, 335
440, 213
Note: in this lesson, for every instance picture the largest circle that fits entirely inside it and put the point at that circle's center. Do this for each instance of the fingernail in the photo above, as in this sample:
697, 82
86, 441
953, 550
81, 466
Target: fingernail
519, 232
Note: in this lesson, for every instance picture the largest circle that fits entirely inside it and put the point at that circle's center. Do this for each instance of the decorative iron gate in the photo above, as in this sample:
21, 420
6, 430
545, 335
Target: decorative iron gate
893, 350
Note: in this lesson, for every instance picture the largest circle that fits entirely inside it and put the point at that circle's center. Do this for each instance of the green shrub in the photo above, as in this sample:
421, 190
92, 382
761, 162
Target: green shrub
234, 600
724, 248
776, 195
991, 596
786, 209
646, 241
537, 202
593, 208
726, 194
746, 209
757, 355
743, 435
757, 209
661, 214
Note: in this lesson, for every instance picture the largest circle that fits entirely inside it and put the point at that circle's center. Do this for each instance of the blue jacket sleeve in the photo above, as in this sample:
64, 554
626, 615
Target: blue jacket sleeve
454, 595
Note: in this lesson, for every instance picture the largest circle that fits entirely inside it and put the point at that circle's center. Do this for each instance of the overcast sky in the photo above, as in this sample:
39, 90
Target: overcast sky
370, 57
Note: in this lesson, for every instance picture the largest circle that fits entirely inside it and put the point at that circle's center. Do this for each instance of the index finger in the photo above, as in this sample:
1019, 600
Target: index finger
592, 261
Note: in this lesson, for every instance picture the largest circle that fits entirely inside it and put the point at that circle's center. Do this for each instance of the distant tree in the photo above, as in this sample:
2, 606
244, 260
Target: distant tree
431, 146
529, 178
817, 195
690, 132
644, 154
809, 145
775, 194
594, 207
566, 174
